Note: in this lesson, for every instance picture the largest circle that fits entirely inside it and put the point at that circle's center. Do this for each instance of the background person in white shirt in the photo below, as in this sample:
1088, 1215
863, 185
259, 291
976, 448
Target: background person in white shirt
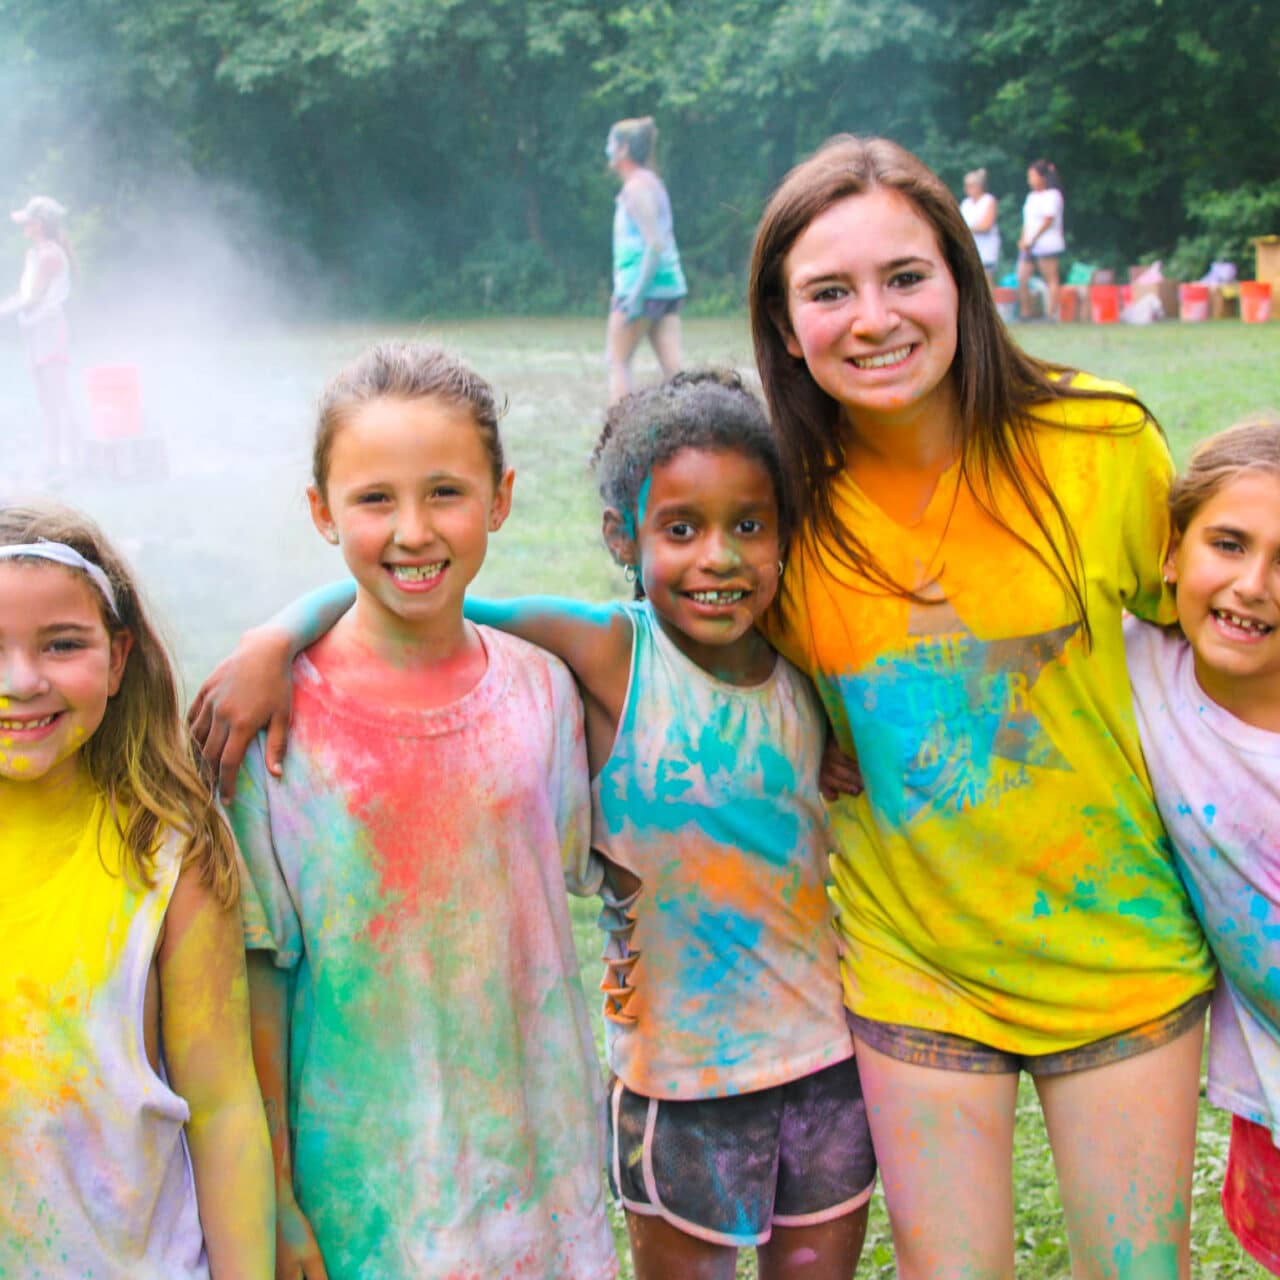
978, 208
1042, 239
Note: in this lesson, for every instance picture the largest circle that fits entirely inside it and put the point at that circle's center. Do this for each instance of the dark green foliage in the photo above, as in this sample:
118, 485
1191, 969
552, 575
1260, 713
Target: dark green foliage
432, 156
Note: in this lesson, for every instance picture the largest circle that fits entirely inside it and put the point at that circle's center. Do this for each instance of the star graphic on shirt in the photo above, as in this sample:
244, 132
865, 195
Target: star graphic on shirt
952, 714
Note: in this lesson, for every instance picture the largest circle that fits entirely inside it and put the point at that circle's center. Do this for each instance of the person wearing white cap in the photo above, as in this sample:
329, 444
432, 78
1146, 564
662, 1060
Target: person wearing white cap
42, 292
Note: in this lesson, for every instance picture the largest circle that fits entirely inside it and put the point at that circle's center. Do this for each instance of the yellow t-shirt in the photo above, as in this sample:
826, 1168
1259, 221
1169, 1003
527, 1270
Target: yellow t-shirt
1005, 876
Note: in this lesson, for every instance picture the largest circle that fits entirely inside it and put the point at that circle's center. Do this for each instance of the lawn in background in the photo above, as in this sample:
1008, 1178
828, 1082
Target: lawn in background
224, 539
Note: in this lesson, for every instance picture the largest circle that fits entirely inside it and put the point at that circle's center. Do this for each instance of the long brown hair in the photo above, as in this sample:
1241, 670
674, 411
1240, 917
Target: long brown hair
1249, 447
998, 385
141, 758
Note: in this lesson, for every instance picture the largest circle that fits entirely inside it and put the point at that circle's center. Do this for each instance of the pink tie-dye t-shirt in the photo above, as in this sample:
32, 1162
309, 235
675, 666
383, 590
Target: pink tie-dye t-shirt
1217, 782
409, 871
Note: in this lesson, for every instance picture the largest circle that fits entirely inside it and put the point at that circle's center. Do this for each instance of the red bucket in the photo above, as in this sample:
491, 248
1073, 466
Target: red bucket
1193, 303
1068, 303
1104, 303
115, 400
1255, 301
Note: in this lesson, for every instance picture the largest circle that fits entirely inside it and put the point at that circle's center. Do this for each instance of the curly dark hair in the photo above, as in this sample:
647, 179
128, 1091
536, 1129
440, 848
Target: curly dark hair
710, 409
695, 409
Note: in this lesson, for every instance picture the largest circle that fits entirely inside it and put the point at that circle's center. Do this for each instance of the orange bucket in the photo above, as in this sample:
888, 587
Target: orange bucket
1006, 301
1193, 303
1104, 303
115, 400
1068, 304
1255, 301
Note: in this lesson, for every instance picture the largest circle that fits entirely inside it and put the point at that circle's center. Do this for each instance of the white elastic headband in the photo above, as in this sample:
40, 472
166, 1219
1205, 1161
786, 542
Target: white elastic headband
62, 554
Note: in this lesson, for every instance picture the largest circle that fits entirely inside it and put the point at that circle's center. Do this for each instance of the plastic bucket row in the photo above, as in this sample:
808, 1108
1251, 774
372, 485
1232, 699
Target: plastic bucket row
1105, 302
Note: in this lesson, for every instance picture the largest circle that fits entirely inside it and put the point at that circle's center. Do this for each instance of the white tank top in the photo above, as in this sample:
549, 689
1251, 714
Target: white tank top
95, 1179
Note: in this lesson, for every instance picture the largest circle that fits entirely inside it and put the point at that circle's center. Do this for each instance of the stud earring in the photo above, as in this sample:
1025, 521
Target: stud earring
331, 535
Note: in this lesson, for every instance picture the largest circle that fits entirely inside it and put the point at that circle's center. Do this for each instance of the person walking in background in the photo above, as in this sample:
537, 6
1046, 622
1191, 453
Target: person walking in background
978, 208
42, 292
648, 281
1042, 240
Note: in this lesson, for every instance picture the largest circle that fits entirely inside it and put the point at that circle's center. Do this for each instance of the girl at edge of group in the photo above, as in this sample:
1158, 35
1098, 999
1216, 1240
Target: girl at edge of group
420, 1032
736, 1115
972, 523
648, 280
1042, 241
1208, 700
123, 1003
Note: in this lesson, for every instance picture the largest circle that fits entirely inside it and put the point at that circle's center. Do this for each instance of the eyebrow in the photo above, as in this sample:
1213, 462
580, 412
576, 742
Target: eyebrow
894, 264
54, 627
1230, 529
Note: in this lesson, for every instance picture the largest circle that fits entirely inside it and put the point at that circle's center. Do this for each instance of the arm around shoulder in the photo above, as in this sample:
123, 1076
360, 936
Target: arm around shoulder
593, 641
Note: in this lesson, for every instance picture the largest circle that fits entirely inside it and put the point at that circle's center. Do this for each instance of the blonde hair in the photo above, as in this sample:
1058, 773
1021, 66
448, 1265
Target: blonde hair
141, 757
1248, 447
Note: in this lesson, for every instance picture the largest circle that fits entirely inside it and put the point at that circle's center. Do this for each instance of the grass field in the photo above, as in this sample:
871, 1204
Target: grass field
225, 539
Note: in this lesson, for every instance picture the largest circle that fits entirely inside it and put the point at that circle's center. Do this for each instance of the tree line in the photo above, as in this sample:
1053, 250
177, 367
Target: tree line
448, 155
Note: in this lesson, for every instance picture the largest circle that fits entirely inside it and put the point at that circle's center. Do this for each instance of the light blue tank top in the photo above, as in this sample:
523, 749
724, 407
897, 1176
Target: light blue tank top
628, 251
722, 975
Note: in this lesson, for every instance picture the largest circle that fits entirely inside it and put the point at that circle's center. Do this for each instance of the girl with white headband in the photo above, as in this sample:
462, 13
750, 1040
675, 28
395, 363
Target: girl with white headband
125, 1065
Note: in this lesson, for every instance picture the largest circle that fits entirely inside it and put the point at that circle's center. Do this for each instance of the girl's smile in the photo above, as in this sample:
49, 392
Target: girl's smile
58, 667
1226, 567
872, 309
708, 549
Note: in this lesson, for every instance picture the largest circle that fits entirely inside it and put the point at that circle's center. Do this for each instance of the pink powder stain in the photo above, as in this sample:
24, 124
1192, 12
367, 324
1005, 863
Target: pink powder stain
413, 821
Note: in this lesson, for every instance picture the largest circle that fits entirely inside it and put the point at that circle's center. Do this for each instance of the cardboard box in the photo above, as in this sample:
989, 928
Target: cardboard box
1165, 290
1267, 249
1224, 301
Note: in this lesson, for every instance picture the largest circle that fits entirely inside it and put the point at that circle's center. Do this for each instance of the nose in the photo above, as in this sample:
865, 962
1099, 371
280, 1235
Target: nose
1251, 581
413, 526
875, 313
720, 552
21, 676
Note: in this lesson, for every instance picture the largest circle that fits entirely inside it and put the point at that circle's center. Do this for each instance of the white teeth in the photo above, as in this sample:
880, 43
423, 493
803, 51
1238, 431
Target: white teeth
879, 362
716, 597
416, 572
14, 726
1245, 624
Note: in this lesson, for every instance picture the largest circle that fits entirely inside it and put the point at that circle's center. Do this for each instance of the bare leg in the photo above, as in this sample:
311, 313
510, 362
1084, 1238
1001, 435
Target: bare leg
1049, 269
664, 337
61, 442
824, 1251
661, 1252
1123, 1138
1025, 270
621, 339
944, 1141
